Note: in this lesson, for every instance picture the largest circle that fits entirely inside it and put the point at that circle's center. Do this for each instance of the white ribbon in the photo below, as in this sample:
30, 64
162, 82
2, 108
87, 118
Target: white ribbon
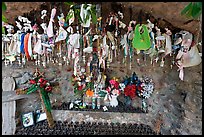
50, 32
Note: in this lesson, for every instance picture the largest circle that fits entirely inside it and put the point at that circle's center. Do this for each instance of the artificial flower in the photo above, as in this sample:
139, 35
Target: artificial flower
108, 89
44, 82
139, 87
116, 92
42, 85
40, 80
89, 93
114, 83
80, 87
32, 81
130, 90
48, 88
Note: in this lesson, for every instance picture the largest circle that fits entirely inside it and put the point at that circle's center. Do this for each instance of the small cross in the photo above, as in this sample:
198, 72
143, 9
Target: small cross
37, 73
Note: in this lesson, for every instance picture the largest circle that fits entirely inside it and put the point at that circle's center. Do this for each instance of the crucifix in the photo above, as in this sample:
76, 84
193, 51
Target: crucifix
44, 88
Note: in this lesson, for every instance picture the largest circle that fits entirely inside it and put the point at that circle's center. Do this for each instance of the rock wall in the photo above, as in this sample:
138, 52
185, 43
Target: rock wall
167, 12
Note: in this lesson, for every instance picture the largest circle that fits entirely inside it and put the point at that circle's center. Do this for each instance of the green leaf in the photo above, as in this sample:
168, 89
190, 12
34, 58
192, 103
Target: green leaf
199, 4
192, 10
4, 18
4, 6
189, 13
186, 9
196, 11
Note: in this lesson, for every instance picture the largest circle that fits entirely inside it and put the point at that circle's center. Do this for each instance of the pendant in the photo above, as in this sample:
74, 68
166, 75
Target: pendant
23, 61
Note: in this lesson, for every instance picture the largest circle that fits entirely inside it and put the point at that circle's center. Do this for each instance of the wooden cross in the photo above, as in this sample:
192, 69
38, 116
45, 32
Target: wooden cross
50, 120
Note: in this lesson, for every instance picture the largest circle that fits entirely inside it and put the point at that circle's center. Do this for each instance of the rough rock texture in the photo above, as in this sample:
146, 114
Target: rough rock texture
8, 84
169, 11
15, 9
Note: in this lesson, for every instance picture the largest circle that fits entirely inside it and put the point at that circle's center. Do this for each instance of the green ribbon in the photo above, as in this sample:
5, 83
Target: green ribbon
46, 99
32, 89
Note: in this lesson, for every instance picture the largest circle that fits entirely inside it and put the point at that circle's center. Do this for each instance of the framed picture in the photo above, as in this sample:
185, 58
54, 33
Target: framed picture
40, 116
28, 119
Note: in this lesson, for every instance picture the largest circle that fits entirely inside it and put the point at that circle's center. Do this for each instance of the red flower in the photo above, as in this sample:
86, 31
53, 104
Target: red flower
80, 87
130, 90
42, 85
48, 88
32, 81
139, 88
44, 82
114, 83
40, 80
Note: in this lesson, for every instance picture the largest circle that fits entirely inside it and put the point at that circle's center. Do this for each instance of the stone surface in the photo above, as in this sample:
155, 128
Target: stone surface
8, 84
66, 91
16, 74
8, 118
22, 80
